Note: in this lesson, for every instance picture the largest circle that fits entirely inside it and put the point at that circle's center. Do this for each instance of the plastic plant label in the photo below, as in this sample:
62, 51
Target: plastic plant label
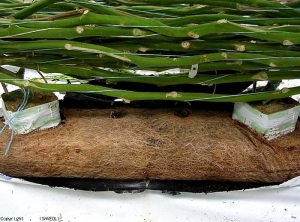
270, 126
39, 117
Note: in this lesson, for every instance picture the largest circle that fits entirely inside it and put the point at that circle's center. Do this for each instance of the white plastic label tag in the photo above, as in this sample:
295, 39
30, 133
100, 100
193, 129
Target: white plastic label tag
194, 70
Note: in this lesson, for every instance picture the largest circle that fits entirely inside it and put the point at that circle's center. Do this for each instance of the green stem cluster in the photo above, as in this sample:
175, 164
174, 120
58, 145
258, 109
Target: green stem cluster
231, 41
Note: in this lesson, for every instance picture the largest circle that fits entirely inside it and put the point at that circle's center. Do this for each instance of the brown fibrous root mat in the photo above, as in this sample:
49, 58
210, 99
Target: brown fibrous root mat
151, 143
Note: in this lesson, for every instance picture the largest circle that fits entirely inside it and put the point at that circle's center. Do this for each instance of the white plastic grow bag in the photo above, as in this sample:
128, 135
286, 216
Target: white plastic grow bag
272, 125
39, 117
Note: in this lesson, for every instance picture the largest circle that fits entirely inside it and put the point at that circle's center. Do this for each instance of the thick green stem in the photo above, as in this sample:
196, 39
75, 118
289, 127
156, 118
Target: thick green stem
145, 62
236, 4
33, 8
70, 33
165, 79
197, 31
167, 12
98, 8
135, 96
201, 19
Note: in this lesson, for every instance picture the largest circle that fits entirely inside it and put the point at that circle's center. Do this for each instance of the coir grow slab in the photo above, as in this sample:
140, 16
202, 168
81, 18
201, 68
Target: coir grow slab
148, 148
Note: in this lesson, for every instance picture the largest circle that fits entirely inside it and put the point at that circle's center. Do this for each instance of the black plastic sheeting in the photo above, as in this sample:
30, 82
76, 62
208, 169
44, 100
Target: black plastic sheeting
225, 88
94, 101
172, 187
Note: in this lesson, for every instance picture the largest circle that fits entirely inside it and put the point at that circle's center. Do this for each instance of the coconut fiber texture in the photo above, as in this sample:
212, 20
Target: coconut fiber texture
154, 144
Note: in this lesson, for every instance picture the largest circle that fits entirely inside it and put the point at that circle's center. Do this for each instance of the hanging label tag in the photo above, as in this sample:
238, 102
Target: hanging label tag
193, 71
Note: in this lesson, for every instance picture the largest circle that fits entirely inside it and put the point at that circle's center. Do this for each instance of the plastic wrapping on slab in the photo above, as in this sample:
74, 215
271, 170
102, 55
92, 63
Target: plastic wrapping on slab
271, 126
136, 186
145, 185
39, 117
43, 203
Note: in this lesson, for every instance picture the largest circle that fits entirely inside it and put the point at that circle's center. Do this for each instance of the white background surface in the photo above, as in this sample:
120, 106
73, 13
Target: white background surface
33, 202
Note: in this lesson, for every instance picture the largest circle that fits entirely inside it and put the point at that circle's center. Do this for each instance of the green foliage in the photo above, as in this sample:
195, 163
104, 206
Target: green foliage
232, 41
